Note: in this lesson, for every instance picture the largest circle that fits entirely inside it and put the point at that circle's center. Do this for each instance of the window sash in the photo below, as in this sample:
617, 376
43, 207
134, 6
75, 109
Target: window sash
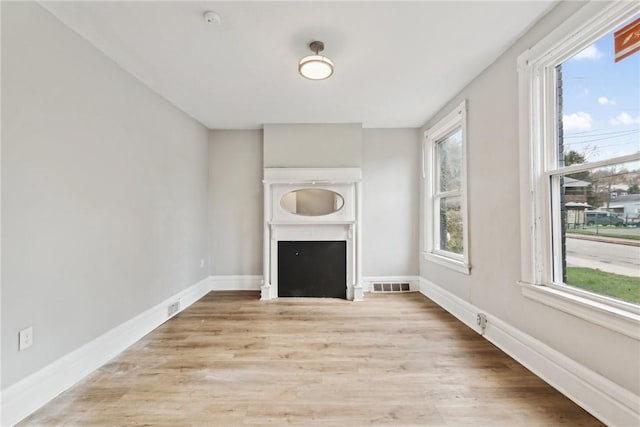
566, 170
452, 123
437, 148
538, 163
553, 193
437, 242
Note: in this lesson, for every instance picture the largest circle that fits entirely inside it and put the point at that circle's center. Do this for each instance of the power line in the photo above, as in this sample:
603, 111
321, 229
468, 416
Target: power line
587, 134
615, 144
603, 138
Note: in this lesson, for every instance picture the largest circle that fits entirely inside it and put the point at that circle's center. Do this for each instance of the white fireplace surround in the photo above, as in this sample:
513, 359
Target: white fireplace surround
281, 225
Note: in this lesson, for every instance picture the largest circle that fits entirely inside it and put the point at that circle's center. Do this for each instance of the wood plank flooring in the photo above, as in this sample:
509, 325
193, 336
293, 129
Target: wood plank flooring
231, 359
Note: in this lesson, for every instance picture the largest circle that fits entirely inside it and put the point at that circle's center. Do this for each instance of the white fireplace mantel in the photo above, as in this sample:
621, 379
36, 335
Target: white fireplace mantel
343, 224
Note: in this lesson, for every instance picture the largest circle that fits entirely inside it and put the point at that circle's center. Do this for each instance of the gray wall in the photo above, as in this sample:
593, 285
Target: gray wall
104, 190
494, 229
390, 180
235, 202
313, 145
390, 202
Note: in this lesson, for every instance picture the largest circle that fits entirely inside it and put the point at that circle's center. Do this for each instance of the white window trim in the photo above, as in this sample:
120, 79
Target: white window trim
455, 119
536, 68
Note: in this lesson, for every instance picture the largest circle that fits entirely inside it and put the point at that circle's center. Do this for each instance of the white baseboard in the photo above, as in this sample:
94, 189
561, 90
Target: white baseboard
460, 308
414, 281
253, 283
607, 401
26, 396
235, 283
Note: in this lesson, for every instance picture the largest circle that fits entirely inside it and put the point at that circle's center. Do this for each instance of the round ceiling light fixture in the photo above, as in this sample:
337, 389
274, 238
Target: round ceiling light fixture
315, 67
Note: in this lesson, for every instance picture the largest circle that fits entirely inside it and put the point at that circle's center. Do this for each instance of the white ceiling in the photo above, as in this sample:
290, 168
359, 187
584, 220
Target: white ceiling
397, 63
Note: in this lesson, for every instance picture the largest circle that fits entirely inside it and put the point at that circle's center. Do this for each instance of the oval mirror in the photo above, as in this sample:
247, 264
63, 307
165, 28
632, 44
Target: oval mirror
312, 202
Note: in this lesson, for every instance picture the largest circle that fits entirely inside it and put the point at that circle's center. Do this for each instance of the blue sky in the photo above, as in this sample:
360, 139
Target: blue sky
601, 102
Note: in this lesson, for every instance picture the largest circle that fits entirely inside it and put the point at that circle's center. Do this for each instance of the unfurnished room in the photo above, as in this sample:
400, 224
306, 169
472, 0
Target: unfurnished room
320, 213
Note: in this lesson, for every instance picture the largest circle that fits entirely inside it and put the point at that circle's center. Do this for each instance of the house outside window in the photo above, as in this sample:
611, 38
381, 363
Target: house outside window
446, 226
577, 150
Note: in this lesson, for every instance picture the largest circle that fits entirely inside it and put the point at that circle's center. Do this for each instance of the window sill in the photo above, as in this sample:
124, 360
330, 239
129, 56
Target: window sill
613, 318
453, 264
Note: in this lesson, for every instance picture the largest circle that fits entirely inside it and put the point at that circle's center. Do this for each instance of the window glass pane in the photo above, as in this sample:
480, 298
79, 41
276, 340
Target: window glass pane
451, 236
601, 231
599, 119
449, 157
599, 102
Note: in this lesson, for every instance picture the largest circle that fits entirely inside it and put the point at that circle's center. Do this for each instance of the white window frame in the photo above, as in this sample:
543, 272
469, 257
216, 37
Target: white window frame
538, 163
456, 119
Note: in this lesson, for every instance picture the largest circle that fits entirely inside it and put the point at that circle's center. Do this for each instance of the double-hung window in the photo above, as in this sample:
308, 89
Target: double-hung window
444, 157
580, 167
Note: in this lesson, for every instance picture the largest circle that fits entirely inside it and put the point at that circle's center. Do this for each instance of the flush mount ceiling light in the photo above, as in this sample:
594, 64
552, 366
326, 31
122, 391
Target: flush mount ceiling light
315, 67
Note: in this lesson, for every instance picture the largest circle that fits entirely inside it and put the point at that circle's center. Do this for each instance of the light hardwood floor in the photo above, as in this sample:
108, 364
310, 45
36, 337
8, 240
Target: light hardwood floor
231, 359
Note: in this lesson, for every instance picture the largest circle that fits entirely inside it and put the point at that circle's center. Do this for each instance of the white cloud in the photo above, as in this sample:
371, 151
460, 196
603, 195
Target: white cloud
576, 122
603, 100
625, 119
590, 52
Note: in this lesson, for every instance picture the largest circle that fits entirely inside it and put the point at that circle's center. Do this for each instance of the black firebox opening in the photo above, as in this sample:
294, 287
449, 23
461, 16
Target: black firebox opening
312, 269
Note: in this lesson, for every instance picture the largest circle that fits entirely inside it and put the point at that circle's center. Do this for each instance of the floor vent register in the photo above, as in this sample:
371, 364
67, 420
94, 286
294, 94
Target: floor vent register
390, 287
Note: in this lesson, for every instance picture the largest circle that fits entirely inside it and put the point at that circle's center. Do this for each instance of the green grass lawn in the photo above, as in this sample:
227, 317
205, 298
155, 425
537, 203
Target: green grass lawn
613, 285
603, 232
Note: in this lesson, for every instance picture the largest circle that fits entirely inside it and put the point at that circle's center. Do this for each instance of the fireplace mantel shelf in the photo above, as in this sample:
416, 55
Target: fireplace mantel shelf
311, 223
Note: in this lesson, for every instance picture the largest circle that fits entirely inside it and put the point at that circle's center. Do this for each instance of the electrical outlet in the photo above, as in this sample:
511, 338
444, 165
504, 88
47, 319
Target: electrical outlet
482, 321
173, 308
25, 338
